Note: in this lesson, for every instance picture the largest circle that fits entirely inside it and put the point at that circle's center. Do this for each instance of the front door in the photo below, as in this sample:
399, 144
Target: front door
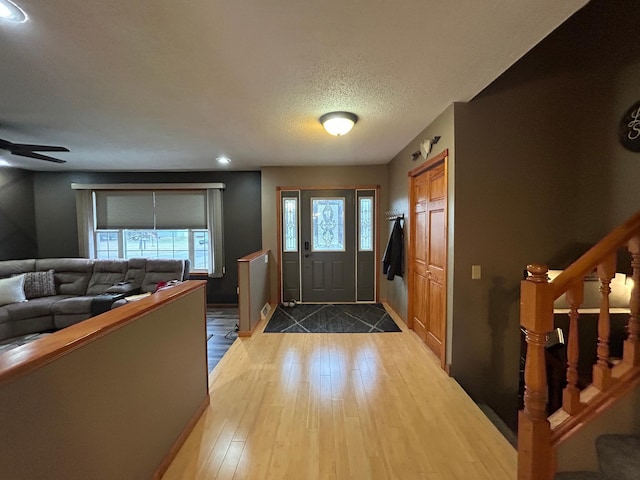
328, 245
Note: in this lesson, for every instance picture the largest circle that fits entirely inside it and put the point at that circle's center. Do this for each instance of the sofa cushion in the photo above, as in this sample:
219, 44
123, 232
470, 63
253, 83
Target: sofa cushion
10, 268
64, 321
161, 270
12, 290
105, 274
71, 274
4, 316
26, 326
72, 305
38, 307
135, 272
39, 284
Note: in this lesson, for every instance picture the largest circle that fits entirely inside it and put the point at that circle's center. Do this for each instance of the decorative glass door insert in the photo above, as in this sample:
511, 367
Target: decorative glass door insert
327, 227
290, 224
328, 245
365, 224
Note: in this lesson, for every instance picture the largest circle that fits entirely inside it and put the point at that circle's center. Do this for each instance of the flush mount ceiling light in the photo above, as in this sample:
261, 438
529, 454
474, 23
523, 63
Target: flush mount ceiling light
11, 12
338, 123
224, 160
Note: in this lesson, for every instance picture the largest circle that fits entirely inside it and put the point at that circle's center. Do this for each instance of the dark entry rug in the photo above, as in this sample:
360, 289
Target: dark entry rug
306, 318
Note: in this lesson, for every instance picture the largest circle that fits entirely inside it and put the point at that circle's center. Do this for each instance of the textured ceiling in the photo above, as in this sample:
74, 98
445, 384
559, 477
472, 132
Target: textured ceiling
160, 85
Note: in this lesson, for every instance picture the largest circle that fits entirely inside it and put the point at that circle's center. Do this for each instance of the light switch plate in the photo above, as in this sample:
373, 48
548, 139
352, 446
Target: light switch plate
476, 272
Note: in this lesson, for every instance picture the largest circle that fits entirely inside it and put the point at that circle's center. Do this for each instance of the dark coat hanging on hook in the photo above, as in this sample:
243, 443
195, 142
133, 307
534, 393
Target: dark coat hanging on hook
393, 261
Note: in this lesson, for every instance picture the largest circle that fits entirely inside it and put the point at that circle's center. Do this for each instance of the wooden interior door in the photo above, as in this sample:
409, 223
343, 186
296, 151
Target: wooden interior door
428, 254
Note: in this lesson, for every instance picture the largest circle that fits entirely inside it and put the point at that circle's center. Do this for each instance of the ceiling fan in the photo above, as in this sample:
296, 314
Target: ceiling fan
30, 151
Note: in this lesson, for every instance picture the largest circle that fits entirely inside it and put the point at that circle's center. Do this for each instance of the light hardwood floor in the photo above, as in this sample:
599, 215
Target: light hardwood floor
339, 406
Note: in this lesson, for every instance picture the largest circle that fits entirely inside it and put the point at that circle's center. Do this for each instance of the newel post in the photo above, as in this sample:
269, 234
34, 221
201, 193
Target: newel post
534, 432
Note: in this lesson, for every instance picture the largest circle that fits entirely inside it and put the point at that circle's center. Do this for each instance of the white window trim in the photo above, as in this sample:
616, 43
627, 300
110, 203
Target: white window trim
86, 215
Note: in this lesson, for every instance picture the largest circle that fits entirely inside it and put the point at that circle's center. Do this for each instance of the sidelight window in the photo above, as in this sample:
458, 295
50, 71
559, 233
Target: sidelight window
290, 224
365, 224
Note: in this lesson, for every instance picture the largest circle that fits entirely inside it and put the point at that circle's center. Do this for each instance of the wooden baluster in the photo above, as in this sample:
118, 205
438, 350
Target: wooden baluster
534, 431
571, 393
601, 370
631, 353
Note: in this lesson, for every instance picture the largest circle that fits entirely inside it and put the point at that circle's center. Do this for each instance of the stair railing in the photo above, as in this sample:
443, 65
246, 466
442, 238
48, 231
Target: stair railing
536, 453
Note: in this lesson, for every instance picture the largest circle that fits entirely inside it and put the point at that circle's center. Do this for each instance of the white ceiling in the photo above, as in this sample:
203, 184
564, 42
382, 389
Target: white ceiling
161, 85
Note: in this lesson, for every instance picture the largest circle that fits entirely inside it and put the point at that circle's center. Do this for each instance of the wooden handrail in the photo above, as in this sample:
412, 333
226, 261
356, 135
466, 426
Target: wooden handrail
536, 445
254, 256
590, 260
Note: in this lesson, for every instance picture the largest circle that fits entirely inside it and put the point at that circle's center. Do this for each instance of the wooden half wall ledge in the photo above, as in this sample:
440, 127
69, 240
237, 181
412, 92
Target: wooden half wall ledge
253, 290
28, 364
26, 358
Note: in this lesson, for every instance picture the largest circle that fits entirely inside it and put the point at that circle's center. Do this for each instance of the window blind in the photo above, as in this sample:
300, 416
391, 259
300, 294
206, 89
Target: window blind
124, 209
181, 209
151, 210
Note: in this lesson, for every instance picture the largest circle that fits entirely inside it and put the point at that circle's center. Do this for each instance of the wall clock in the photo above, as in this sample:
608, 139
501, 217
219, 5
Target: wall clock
629, 129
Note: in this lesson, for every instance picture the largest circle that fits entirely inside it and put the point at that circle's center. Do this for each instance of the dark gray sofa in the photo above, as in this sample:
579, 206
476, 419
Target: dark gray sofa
78, 281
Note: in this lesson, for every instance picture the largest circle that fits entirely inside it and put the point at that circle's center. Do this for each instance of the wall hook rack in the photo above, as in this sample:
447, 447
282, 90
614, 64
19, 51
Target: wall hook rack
393, 214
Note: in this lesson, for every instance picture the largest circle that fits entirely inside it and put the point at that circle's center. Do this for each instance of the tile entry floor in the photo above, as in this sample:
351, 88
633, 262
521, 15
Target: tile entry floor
327, 318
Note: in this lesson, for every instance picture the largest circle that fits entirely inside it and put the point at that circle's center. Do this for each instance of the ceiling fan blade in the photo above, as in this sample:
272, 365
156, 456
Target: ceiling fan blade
6, 145
37, 156
19, 147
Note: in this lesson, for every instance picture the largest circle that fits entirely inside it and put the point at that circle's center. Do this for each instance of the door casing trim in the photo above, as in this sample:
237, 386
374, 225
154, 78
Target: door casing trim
279, 191
442, 157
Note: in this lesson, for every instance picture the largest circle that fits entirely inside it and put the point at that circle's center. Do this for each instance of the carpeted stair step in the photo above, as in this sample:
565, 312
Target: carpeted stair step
619, 456
579, 476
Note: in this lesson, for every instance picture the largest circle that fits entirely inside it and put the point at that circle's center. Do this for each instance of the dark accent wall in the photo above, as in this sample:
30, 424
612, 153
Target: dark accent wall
17, 215
539, 174
57, 232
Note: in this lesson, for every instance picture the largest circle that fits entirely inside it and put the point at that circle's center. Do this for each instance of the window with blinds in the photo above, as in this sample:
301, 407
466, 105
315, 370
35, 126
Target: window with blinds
159, 222
151, 209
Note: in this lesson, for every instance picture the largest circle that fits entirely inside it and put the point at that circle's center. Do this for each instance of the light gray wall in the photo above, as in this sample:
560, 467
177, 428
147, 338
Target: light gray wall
114, 406
17, 215
273, 177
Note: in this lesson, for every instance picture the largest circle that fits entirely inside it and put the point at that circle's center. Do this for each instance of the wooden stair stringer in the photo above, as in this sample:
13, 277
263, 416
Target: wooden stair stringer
594, 402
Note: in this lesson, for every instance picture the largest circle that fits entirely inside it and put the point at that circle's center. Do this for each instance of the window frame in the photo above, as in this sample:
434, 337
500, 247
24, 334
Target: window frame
86, 218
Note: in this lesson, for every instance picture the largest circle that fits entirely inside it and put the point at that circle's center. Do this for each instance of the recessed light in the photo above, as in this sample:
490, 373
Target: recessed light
224, 160
11, 12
